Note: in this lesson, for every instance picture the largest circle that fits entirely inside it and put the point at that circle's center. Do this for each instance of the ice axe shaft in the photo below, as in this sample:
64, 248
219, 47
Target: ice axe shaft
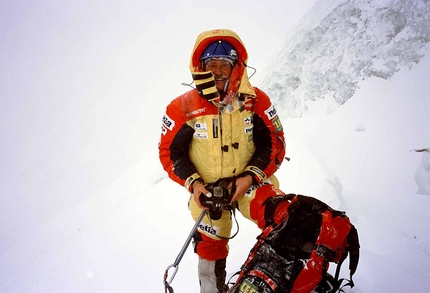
175, 265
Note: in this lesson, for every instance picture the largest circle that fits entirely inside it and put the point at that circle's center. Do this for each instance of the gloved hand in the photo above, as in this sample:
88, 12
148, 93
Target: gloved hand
243, 183
199, 188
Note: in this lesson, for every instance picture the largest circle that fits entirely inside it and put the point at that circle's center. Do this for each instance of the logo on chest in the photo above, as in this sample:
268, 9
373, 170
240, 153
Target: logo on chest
248, 125
200, 126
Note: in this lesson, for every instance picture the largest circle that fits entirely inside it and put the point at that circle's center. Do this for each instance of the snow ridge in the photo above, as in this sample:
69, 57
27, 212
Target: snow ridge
324, 59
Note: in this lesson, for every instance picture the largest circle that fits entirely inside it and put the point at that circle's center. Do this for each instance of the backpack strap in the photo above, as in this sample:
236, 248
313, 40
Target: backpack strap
270, 207
353, 250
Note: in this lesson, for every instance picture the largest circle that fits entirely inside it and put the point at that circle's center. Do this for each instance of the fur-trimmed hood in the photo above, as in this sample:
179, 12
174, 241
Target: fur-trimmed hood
239, 81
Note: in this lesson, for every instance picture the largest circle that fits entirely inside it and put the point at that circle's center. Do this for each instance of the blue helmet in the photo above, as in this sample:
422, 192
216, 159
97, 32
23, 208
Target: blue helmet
219, 50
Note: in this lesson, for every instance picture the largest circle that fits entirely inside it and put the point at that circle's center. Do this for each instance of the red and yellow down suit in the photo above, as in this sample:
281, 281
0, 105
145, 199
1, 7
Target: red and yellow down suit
208, 140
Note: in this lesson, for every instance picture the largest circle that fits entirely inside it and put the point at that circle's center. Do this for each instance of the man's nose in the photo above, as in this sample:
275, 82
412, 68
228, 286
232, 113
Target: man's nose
217, 70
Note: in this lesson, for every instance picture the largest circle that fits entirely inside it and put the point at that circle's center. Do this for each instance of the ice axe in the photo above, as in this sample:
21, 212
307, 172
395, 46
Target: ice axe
175, 265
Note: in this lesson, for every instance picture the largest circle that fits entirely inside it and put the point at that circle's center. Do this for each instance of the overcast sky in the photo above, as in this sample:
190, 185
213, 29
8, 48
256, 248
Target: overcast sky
78, 78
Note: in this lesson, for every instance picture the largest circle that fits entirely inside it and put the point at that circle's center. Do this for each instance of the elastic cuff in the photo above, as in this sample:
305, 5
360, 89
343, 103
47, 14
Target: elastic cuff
253, 176
190, 180
258, 175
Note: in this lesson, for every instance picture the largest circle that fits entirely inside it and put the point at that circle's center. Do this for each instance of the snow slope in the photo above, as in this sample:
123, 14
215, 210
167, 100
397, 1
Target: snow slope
362, 158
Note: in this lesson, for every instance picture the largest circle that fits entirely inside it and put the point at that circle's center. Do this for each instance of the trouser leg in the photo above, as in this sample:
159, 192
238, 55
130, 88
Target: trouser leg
212, 276
212, 240
253, 204
212, 250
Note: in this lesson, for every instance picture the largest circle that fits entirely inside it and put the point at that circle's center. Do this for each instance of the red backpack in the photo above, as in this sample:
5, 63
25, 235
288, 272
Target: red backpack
293, 256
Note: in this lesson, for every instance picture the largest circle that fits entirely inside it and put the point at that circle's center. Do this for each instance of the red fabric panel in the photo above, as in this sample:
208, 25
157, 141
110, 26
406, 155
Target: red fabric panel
211, 249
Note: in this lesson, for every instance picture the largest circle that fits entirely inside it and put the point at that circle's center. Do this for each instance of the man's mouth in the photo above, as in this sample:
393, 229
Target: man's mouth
220, 78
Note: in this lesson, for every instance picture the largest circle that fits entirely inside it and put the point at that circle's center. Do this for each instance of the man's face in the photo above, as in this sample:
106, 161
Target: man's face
221, 70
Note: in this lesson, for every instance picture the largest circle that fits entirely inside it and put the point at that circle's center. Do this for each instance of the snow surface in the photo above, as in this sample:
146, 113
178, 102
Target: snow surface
338, 43
369, 157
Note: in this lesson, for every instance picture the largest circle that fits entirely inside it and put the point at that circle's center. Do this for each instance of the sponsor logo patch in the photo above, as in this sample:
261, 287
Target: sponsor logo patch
248, 287
248, 120
200, 126
168, 122
163, 130
271, 112
195, 112
277, 123
208, 229
248, 130
215, 128
201, 135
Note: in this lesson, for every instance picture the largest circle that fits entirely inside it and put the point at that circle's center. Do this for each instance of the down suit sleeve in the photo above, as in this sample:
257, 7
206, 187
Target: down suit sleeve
268, 136
174, 145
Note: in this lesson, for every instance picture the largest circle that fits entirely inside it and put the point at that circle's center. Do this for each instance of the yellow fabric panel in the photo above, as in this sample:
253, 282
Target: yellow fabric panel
202, 81
206, 147
244, 203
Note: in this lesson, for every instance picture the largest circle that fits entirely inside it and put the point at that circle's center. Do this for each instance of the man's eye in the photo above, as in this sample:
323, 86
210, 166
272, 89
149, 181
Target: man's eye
222, 66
